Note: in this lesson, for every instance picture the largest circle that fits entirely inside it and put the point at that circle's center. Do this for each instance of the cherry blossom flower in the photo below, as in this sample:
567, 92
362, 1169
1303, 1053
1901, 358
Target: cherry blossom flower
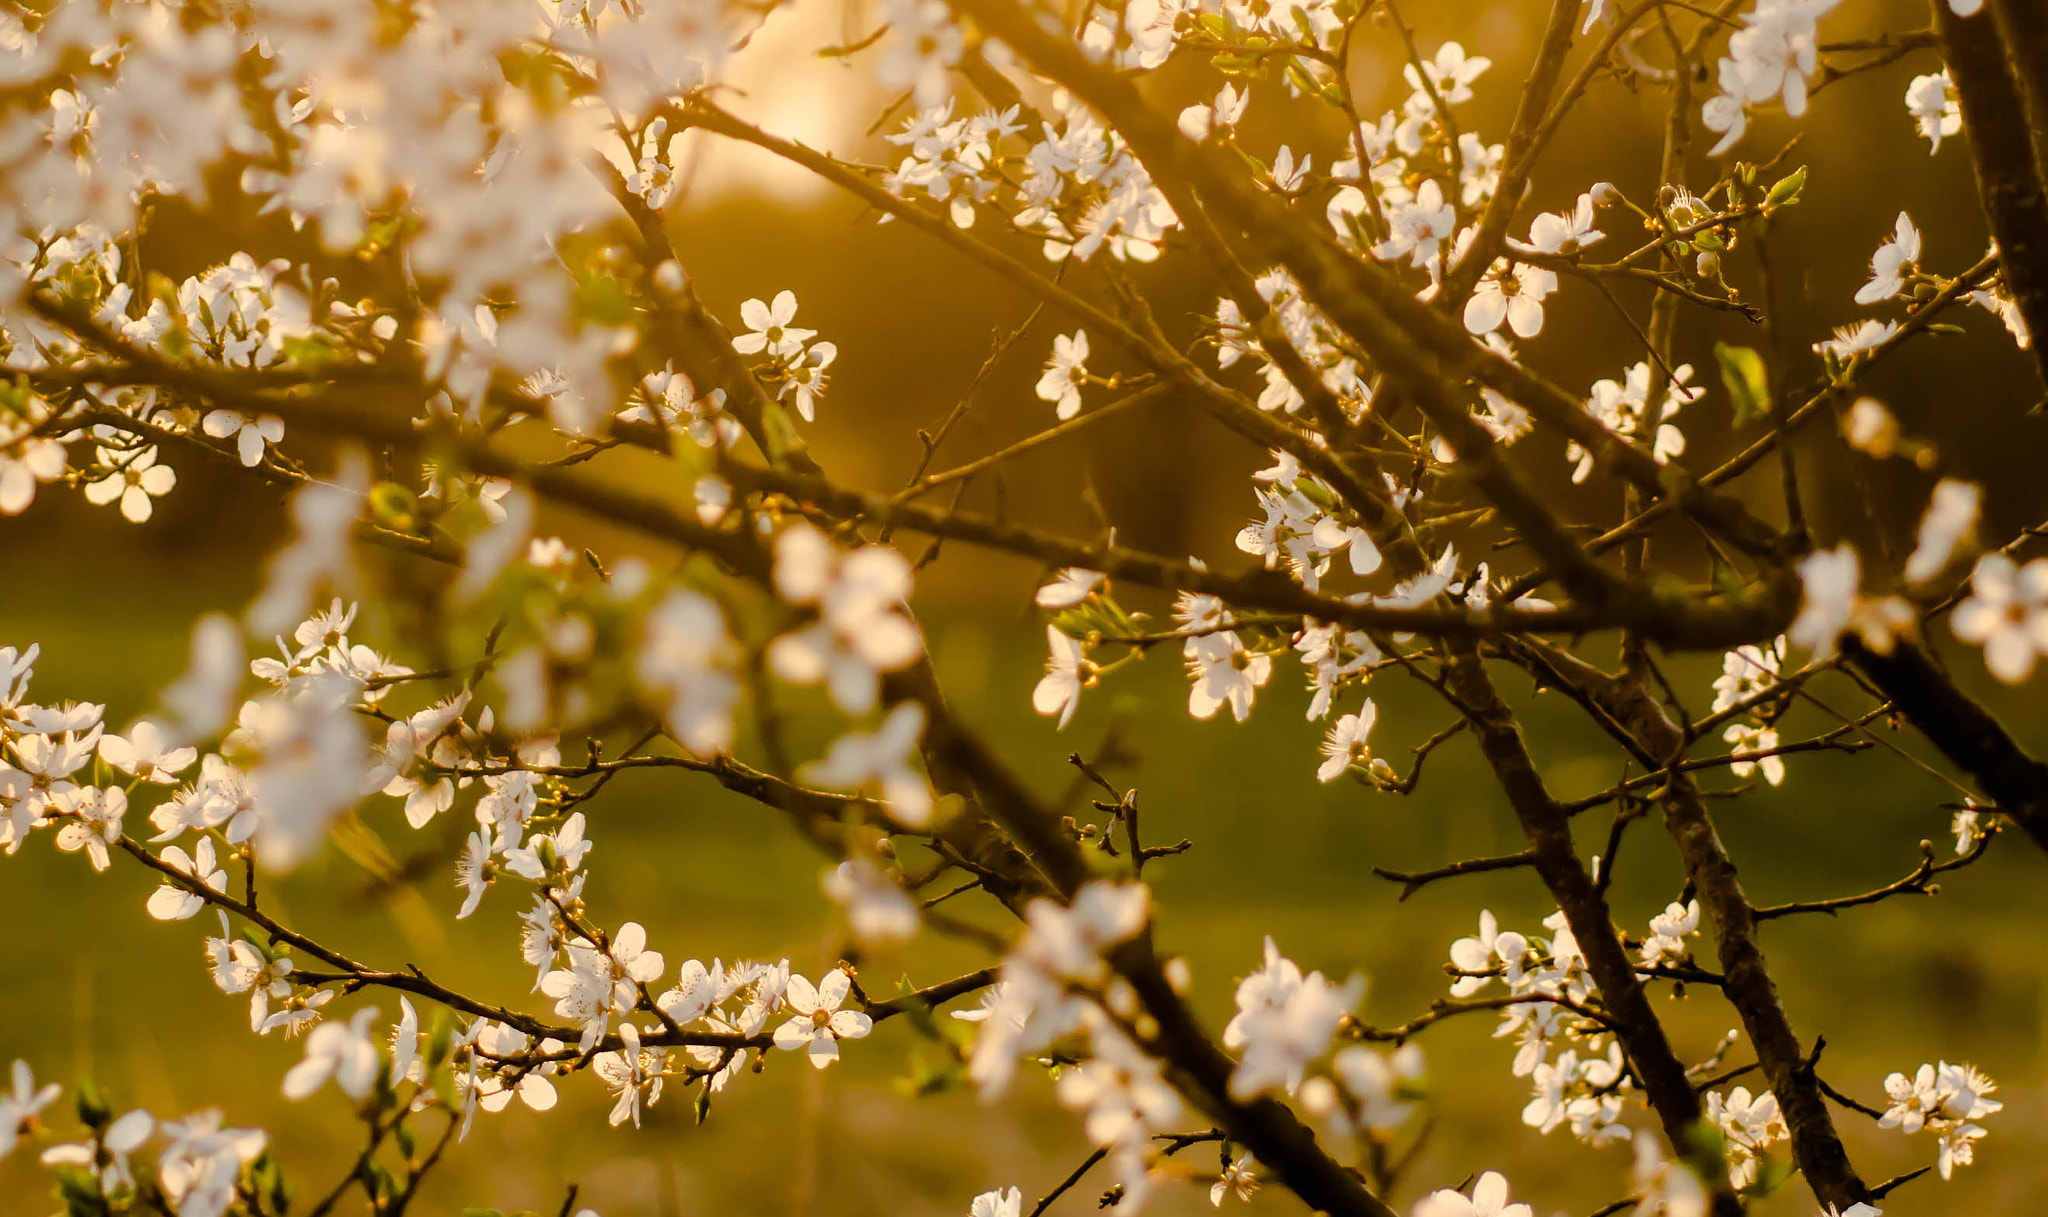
1220, 117
1636, 404
1946, 1100
1871, 429
1833, 604
146, 752
1368, 1093
1346, 743
514, 338
1747, 671
95, 820
1853, 340
696, 991
1451, 73
880, 760
923, 41
1489, 1199
115, 1143
1492, 949
878, 910
1067, 672
1931, 102
24, 464
135, 479
1419, 228
1237, 1177
769, 328
495, 1093
820, 1024
1126, 1101
1565, 235
806, 378
1288, 176
1281, 1038
1754, 746
1065, 373
1268, 989
202, 1162
1069, 587
1224, 673
473, 872
1951, 516
1770, 58
1666, 1188
22, 1105
1510, 292
173, 903
546, 854
861, 630
251, 435
633, 1073
1668, 931
1750, 1126
2006, 613
600, 982
342, 1051
1895, 262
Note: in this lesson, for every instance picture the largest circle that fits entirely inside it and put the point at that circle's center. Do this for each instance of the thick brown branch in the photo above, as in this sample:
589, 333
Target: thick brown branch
1639, 722
1642, 1036
1967, 734
2002, 151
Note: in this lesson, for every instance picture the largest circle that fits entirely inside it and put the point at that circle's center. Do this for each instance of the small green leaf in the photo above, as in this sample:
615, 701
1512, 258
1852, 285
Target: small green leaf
1785, 191
93, 1109
1742, 370
1726, 579
440, 1039
604, 300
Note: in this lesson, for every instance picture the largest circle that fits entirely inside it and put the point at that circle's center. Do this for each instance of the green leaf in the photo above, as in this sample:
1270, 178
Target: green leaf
1742, 370
440, 1039
1785, 191
93, 1109
929, 1076
780, 432
604, 300
1726, 579
268, 1177
310, 352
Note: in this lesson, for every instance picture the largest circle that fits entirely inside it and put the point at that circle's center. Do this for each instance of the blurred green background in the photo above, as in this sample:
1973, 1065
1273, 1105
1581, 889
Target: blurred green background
92, 988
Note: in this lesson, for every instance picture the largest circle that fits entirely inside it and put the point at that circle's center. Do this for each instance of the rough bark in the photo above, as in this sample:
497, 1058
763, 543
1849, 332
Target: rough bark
1639, 722
2002, 154
1547, 826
